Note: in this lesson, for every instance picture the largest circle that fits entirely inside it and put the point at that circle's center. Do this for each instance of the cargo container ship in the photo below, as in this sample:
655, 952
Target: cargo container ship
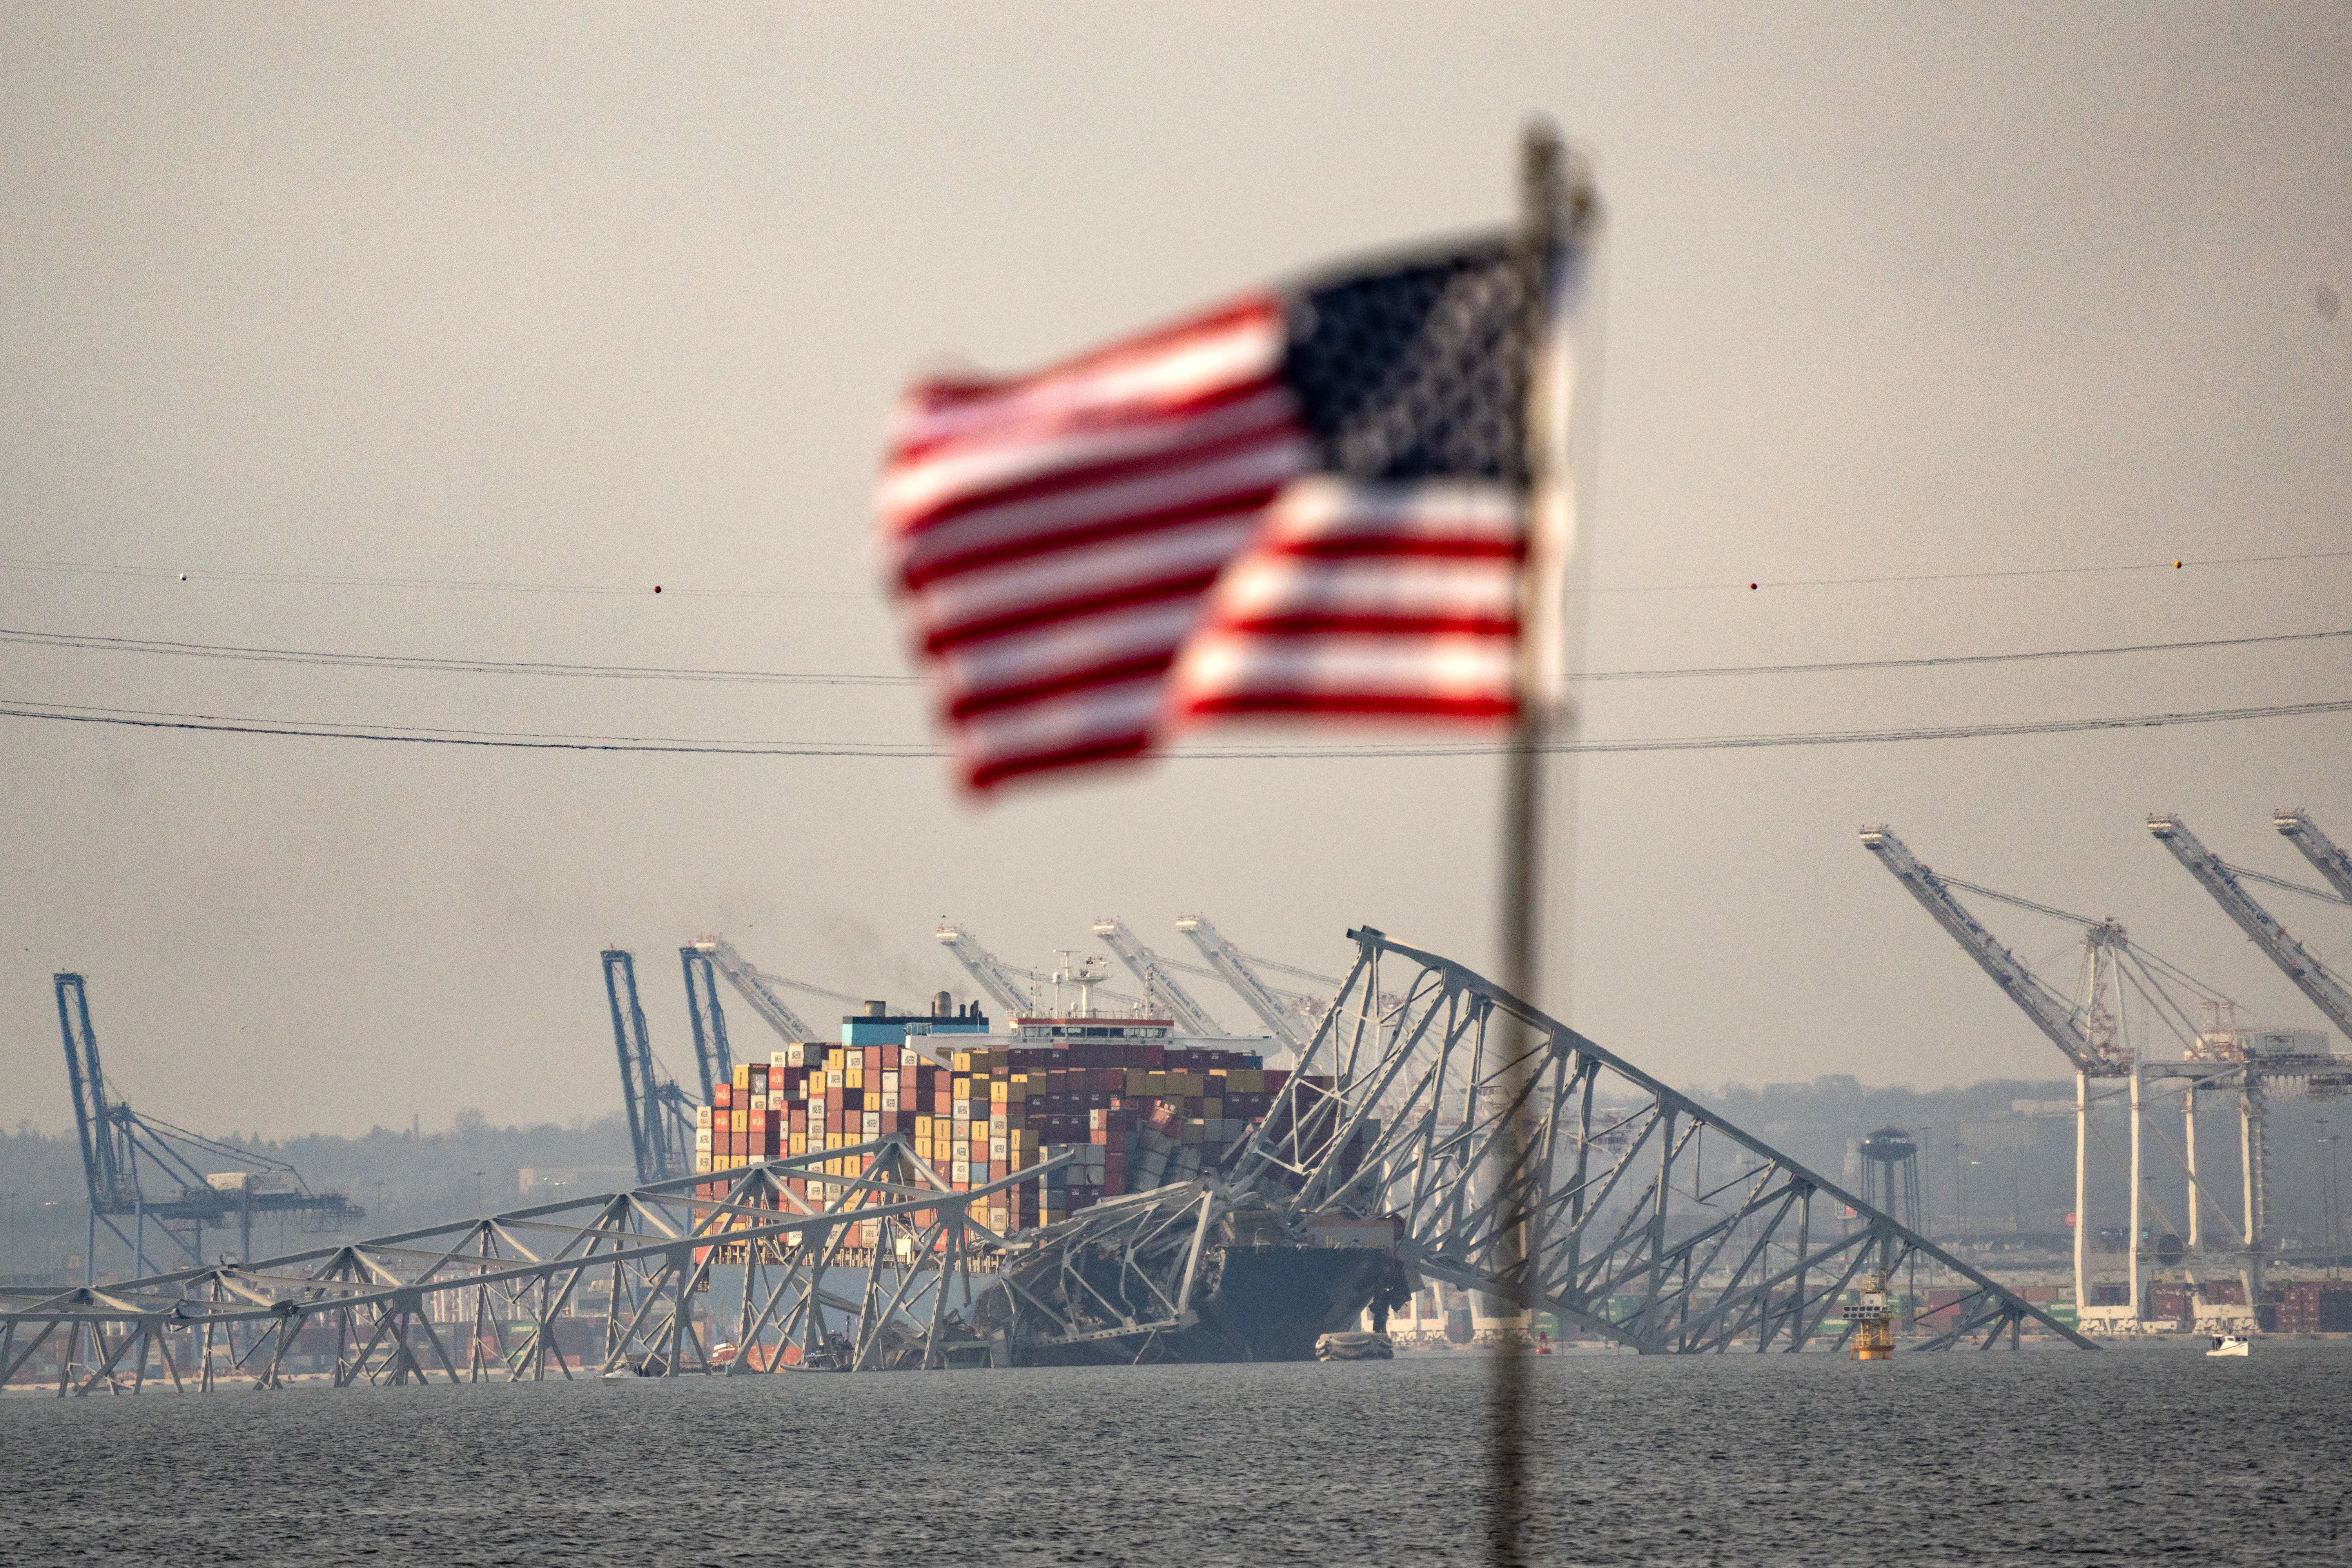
1135, 1106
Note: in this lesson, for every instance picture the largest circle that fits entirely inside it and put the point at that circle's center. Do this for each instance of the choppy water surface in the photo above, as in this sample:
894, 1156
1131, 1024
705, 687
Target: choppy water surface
2044, 1457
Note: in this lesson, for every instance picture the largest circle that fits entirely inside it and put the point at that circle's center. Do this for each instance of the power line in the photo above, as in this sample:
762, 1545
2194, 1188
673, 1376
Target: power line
363, 580
438, 665
367, 580
1954, 660
2177, 566
515, 741
91, 643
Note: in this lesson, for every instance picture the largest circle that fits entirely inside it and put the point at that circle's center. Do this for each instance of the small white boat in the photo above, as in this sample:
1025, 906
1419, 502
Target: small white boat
2230, 1344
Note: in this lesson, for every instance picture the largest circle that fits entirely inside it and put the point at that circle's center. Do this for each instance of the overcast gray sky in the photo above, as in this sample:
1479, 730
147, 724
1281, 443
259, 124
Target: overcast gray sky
615, 297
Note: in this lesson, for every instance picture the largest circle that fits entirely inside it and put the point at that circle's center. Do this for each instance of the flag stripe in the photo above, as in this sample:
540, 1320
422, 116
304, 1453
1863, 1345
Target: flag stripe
1068, 582
1284, 505
934, 495
1223, 347
1180, 486
1362, 599
1056, 534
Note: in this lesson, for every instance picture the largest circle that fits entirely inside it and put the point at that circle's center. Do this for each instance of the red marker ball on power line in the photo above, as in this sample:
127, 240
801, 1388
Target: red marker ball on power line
656, 588
1751, 587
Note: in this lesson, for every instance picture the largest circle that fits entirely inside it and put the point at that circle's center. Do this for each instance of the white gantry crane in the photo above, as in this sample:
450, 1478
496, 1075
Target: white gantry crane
1021, 992
759, 989
2090, 1029
1159, 982
2328, 992
1292, 1017
992, 974
2086, 1030
2282, 1056
2331, 863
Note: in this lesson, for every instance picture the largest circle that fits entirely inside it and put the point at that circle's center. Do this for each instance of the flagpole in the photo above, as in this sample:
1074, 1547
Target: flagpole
1542, 231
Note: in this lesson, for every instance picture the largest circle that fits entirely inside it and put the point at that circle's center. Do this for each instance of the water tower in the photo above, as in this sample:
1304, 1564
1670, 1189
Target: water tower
1890, 1174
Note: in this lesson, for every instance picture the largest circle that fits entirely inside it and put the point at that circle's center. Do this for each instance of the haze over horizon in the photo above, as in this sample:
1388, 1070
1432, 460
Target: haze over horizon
345, 313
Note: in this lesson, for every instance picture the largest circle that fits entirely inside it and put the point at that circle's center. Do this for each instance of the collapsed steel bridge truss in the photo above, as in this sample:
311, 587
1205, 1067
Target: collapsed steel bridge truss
1527, 1163
1566, 1180
878, 1270
1516, 1158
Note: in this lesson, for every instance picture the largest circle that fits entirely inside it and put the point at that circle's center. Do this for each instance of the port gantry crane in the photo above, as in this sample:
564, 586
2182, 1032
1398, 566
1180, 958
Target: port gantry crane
117, 1140
756, 988
1159, 977
2090, 1031
2333, 863
661, 1118
1018, 991
760, 988
714, 1060
1291, 1015
2323, 1074
2328, 993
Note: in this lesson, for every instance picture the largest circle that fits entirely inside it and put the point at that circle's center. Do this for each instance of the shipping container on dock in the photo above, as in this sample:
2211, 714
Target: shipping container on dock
2316, 1307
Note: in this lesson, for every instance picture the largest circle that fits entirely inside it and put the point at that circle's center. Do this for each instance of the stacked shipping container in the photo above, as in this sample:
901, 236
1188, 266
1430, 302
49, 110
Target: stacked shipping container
1136, 1115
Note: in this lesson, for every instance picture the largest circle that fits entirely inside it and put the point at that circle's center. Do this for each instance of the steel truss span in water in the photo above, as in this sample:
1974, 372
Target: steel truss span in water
1630, 1211
882, 1272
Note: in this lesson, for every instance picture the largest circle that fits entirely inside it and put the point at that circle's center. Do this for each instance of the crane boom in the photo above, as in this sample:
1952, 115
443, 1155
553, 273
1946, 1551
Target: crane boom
755, 989
1159, 980
635, 1051
713, 1060
2319, 849
661, 1119
1235, 970
2311, 977
992, 974
102, 1156
2051, 1013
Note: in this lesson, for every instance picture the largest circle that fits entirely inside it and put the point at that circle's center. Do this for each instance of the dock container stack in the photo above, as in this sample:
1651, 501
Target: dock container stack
2316, 1307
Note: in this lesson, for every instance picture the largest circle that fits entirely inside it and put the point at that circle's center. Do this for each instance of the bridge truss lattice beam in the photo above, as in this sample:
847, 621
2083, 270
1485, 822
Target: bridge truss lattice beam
884, 1271
1610, 1216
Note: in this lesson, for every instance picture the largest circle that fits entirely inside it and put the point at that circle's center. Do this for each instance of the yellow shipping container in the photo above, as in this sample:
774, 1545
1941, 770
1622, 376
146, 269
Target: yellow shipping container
1000, 1091
742, 1077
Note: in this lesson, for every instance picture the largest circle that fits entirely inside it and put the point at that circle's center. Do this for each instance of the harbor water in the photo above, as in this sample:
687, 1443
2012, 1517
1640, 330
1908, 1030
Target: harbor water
2126, 1455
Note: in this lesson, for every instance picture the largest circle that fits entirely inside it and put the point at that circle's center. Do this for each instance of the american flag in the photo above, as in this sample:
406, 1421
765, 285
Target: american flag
1305, 501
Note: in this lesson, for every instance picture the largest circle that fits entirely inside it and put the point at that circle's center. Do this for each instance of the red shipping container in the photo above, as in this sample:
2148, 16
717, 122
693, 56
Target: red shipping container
722, 1094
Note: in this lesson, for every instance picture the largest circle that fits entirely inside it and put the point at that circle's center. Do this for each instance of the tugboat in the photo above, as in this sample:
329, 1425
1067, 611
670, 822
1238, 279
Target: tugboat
2231, 1344
1874, 1332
